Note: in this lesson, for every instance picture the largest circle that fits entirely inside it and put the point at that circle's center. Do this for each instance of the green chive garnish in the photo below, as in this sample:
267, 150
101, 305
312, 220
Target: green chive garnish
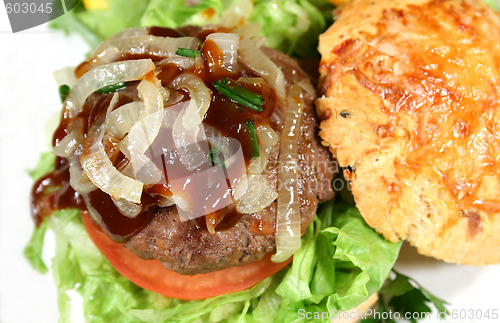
112, 88
243, 92
187, 52
234, 91
63, 92
215, 157
250, 125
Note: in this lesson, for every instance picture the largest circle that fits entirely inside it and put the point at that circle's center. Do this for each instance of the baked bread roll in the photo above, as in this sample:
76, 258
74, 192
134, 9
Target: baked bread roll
411, 104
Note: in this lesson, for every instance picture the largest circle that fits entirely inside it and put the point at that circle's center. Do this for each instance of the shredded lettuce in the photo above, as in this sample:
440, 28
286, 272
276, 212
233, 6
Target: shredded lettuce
45, 165
96, 25
291, 26
495, 4
33, 250
176, 13
342, 262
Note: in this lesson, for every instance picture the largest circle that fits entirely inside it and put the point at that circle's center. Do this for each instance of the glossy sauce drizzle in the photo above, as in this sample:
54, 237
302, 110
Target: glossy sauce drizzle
53, 191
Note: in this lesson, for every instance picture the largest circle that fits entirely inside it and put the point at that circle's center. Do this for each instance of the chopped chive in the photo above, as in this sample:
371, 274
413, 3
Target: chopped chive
239, 94
215, 157
112, 88
250, 125
187, 52
243, 92
230, 95
63, 92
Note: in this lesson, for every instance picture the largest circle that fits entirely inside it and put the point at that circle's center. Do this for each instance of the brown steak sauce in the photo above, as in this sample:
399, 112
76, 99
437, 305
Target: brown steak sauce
53, 191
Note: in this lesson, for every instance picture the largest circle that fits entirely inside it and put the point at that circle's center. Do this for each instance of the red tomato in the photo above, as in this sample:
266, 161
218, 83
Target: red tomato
151, 275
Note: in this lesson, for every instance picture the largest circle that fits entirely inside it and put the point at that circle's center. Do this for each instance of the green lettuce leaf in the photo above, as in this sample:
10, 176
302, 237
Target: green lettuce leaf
402, 294
291, 26
33, 250
495, 4
45, 165
342, 262
96, 25
176, 13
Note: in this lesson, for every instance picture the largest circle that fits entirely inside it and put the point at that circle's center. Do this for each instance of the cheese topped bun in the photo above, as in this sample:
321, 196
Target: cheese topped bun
411, 105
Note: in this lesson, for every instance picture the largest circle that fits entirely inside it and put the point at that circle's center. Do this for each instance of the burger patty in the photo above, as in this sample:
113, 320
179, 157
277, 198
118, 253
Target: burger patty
188, 248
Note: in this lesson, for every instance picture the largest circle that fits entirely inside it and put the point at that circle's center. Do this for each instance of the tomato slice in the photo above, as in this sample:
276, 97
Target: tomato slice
151, 275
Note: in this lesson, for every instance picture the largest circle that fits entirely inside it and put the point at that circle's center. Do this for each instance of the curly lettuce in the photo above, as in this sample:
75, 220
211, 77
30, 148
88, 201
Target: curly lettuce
342, 262
495, 4
291, 26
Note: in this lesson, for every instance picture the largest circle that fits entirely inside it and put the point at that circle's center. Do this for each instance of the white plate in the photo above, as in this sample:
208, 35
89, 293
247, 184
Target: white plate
29, 98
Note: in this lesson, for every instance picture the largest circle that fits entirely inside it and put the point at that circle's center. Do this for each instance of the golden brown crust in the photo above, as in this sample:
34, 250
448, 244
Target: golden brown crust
412, 103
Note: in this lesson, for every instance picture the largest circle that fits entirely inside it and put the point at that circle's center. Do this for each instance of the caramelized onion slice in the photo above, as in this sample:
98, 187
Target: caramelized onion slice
288, 231
78, 180
257, 196
255, 81
128, 208
123, 118
104, 175
145, 170
136, 41
187, 129
111, 41
68, 144
183, 62
255, 59
266, 135
267, 138
234, 161
143, 133
258, 165
187, 142
102, 76
228, 43
200, 99
166, 201
100, 170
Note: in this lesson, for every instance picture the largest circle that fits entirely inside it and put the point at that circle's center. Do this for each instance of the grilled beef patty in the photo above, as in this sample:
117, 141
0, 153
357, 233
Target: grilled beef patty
188, 247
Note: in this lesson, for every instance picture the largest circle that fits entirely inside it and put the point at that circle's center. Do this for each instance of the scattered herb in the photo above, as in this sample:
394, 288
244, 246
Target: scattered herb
234, 91
245, 93
344, 114
404, 295
63, 92
215, 157
188, 52
112, 88
250, 125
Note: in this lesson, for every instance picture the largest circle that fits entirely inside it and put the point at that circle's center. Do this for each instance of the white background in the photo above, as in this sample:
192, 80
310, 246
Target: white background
29, 98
